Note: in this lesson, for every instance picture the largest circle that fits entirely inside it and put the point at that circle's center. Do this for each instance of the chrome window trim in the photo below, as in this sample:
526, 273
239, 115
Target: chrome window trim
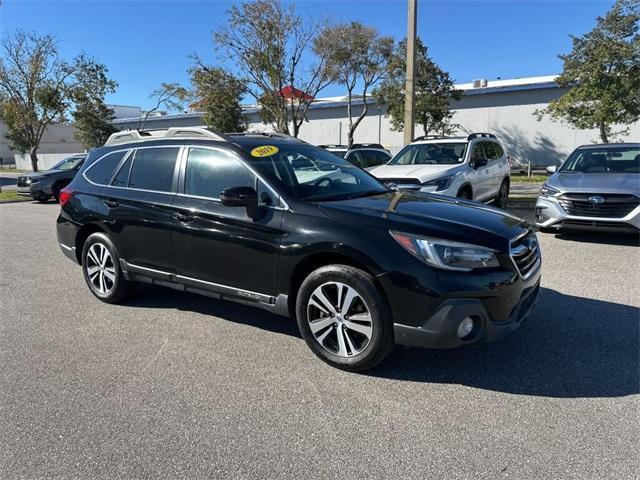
184, 150
284, 207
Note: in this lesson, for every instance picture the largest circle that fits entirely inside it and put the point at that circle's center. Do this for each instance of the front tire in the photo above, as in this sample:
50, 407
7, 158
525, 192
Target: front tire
101, 269
344, 318
465, 194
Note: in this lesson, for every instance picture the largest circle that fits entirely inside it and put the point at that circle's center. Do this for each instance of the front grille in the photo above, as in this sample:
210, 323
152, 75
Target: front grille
22, 182
596, 225
614, 205
525, 253
401, 181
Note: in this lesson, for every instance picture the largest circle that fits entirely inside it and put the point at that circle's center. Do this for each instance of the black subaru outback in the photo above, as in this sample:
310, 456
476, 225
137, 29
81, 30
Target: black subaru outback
273, 222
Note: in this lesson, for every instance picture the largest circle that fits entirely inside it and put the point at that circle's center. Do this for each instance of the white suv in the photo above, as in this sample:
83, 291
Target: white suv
473, 167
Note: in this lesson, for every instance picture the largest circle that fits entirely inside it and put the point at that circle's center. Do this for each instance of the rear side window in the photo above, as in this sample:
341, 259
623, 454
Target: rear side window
209, 172
498, 149
377, 158
490, 151
153, 169
100, 172
123, 174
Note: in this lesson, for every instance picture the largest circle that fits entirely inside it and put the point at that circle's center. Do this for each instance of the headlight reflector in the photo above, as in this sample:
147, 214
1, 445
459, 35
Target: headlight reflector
547, 191
440, 183
445, 254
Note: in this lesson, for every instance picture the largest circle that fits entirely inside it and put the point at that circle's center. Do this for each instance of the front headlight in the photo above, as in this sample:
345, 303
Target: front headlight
547, 191
440, 183
445, 254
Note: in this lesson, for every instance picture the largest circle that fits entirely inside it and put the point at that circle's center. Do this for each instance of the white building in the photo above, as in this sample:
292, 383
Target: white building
502, 107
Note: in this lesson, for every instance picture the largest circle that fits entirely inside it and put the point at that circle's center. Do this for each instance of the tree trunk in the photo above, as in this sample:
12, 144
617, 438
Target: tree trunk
34, 158
603, 133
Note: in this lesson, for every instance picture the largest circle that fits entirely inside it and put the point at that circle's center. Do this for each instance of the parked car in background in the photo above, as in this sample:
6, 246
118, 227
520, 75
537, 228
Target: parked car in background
237, 217
596, 188
363, 155
46, 184
473, 167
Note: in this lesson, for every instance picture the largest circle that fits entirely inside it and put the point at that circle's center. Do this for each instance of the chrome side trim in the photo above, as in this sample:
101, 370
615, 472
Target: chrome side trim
195, 282
67, 248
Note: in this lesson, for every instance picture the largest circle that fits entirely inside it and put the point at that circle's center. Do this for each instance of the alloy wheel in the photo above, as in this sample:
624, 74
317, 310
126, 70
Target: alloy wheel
100, 268
339, 319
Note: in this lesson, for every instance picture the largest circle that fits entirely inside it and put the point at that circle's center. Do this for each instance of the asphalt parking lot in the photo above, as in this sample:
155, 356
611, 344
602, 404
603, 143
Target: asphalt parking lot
173, 385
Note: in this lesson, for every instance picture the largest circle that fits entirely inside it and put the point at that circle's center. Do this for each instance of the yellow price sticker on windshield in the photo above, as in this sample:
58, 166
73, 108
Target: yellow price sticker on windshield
264, 151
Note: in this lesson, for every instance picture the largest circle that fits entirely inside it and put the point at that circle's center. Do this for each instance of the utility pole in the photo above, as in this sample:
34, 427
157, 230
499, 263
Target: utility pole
409, 91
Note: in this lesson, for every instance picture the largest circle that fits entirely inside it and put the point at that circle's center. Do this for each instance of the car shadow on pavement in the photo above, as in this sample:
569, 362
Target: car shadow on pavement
569, 347
149, 296
630, 239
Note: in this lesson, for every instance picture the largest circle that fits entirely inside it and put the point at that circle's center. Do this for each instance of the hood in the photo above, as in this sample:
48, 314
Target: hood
432, 215
596, 182
424, 173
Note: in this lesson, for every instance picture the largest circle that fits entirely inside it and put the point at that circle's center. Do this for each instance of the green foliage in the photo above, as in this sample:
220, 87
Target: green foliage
434, 90
603, 73
357, 57
268, 41
38, 88
217, 93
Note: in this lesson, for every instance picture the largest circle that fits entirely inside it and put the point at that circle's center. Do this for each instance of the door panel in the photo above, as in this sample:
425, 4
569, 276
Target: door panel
481, 176
220, 244
140, 219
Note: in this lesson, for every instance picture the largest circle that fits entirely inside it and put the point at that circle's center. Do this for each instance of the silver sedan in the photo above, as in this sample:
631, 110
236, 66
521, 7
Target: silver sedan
596, 188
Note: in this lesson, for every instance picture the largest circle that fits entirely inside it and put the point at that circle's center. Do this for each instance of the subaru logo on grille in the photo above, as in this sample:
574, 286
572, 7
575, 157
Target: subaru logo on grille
596, 199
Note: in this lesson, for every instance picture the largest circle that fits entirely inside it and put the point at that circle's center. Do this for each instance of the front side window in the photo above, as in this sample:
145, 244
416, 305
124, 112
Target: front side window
209, 172
478, 152
68, 163
448, 153
100, 172
490, 151
609, 159
153, 169
313, 174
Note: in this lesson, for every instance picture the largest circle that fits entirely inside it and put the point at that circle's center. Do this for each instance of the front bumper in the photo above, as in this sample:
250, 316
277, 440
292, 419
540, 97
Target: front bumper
429, 304
551, 216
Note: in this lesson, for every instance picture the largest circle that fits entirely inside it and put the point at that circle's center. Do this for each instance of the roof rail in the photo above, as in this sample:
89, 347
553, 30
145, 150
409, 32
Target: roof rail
429, 137
355, 146
126, 136
480, 134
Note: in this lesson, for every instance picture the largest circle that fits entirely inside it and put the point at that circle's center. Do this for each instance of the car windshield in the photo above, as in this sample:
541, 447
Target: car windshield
430, 154
606, 159
68, 163
314, 174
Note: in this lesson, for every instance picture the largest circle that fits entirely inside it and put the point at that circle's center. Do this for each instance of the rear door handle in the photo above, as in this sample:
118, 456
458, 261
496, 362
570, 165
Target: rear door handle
111, 203
184, 217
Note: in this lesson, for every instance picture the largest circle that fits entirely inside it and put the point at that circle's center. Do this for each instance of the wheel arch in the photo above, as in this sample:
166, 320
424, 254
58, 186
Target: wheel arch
466, 186
321, 258
81, 237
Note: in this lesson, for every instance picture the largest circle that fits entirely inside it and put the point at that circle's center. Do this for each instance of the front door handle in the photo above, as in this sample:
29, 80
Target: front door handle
183, 217
111, 203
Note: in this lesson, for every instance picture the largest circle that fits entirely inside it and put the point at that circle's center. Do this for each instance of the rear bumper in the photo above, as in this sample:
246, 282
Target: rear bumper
441, 330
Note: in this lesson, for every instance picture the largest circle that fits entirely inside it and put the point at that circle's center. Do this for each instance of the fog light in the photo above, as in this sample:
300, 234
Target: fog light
465, 328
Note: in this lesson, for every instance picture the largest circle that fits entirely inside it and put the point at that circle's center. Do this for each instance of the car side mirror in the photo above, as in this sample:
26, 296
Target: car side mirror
239, 197
551, 169
479, 163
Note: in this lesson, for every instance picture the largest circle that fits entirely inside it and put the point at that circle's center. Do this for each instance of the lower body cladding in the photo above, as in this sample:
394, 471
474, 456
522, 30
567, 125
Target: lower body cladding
550, 216
465, 309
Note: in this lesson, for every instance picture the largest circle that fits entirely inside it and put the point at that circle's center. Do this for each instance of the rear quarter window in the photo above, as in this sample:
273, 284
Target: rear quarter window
102, 170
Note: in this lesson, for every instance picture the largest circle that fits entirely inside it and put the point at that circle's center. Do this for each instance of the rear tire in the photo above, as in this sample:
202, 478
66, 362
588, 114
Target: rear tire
101, 269
344, 318
42, 198
502, 199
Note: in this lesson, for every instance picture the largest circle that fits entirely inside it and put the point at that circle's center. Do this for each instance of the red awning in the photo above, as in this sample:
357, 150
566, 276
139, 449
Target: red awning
290, 92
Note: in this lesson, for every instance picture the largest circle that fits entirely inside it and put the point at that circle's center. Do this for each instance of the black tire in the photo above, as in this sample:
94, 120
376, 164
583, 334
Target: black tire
502, 199
115, 290
42, 198
369, 300
465, 193
55, 191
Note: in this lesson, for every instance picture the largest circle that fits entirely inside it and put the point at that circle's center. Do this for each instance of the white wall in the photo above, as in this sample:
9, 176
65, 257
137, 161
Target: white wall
45, 160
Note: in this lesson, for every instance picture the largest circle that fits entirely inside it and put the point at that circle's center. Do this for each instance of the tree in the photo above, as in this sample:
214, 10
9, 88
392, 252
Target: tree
357, 58
434, 90
269, 43
217, 93
92, 117
37, 87
170, 96
603, 74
